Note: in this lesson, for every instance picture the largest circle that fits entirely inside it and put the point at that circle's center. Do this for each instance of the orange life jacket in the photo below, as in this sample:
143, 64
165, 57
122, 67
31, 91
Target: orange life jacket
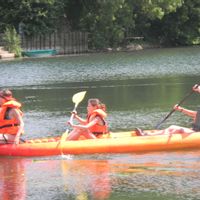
97, 128
9, 126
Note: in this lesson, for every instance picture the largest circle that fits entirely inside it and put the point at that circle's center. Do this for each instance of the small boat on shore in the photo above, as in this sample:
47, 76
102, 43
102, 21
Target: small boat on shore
119, 142
39, 53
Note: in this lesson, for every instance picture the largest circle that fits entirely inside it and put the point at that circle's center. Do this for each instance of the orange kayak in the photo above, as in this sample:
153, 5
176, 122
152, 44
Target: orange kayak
119, 142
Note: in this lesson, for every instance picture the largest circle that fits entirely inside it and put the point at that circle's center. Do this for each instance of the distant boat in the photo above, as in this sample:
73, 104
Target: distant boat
39, 53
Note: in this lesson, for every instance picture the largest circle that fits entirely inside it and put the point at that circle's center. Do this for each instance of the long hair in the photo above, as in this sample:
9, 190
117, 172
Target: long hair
6, 94
97, 103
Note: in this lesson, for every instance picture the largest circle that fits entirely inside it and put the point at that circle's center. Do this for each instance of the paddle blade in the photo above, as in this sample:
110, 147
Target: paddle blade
78, 97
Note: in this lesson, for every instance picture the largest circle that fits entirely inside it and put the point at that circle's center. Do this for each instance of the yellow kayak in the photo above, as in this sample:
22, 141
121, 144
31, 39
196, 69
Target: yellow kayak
116, 142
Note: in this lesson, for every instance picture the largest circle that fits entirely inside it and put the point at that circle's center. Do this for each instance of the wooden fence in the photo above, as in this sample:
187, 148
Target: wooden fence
63, 43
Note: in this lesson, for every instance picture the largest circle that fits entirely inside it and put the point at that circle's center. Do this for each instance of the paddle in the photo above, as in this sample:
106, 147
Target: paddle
77, 98
188, 95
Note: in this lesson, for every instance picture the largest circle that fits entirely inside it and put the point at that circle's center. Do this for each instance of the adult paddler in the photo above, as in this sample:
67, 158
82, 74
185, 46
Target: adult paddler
11, 122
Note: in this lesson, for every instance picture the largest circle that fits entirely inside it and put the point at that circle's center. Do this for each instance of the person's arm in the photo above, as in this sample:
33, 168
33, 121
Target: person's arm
86, 126
15, 114
190, 113
196, 88
81, 120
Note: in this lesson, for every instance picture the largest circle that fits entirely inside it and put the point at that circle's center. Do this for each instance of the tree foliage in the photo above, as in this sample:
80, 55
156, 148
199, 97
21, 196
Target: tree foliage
169, 22
37, 16
107, 21
181, 27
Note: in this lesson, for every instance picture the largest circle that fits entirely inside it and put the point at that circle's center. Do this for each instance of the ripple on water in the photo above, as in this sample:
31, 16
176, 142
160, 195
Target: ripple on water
115, 66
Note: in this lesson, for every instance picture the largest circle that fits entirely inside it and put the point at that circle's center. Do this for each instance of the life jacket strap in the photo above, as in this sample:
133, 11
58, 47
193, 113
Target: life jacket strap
6, 141
8, 125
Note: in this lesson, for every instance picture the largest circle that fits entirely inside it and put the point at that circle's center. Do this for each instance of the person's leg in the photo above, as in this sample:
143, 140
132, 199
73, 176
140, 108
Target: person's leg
177, 129
140, 132
6, 138
87, 134
75, 134
2, 139
168, 131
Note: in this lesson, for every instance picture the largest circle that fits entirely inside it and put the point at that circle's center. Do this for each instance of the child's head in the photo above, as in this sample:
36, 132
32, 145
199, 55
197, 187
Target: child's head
95, 104
5, 95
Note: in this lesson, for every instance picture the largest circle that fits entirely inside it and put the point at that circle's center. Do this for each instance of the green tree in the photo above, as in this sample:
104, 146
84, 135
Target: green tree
37, 16
146, 12
107, 21
181, 27
170, 22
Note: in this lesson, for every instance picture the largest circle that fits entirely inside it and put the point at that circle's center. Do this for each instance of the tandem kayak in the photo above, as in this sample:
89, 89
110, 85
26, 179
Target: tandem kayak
119, 142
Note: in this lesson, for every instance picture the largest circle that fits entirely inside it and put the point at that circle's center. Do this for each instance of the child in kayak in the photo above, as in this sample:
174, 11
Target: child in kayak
11, 122
195, 115
95, 123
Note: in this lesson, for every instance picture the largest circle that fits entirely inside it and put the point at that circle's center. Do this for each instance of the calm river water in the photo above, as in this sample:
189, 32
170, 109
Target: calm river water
139, 89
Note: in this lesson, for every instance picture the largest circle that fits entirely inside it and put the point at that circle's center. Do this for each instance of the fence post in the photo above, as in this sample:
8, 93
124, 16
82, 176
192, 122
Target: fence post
64, 42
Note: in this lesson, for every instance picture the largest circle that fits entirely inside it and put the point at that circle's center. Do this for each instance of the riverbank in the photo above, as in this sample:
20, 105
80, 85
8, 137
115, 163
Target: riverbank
129, 47
138, 47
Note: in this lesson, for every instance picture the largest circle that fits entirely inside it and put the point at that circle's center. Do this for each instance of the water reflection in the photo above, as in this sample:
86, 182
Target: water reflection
87, 179
171, 175
12, 179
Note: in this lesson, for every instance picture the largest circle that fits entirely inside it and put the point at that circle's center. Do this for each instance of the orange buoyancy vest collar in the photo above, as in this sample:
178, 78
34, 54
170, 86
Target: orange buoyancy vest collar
97, 128
9, 126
